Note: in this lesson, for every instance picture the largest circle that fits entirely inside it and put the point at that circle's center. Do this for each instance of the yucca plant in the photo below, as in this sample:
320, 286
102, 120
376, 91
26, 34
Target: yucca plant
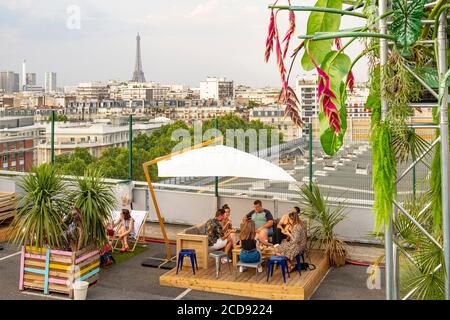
95, 198
42, 206
324, 219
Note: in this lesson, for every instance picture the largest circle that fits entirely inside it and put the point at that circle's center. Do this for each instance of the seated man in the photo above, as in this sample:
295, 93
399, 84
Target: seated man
263, 221
217, 239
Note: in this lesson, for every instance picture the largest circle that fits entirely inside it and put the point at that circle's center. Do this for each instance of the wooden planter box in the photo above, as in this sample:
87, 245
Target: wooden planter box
55, 270
5, 233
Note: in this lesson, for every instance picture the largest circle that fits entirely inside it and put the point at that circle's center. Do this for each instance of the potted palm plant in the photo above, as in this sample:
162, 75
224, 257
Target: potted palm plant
42, 206
323, 219
96, 200
61, 227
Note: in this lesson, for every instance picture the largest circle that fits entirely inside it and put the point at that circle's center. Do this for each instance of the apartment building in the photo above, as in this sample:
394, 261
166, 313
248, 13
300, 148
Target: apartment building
217, 89
261, 97
95, 137
93, 90
274, 116
18, 137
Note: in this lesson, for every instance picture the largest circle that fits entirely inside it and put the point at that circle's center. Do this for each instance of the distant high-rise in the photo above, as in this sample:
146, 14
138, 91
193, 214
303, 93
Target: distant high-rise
138, 75
30, 79
9, 82
50, 81
24, 74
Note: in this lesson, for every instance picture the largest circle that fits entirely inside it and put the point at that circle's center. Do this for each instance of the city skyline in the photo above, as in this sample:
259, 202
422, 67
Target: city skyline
181, 42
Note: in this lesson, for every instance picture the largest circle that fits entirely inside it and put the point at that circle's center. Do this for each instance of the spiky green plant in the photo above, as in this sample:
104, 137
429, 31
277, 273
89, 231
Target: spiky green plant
406, 142
324, 219
421, 276
42, 205
95, 198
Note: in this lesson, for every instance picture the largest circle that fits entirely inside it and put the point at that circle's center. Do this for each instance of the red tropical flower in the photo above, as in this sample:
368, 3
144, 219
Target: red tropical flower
325, 96
287, 94
290, 32
270, 36
350, 81
338, 43
350, 76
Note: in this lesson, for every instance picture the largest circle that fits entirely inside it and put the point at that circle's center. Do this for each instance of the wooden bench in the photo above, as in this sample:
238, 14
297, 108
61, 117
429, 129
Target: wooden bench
194, 238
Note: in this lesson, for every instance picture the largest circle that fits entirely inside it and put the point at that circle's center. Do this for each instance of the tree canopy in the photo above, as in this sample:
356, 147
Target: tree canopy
113, 162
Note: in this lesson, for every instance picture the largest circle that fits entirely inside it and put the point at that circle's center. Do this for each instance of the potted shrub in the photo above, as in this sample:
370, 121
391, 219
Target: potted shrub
42, 206
96, 200
60, 227
323, 219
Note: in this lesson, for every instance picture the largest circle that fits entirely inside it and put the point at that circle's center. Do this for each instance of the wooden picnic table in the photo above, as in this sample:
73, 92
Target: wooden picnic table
266, 252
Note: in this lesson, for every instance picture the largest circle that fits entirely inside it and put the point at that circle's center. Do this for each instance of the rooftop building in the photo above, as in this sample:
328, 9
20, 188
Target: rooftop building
18, 137
96, 137
217, 89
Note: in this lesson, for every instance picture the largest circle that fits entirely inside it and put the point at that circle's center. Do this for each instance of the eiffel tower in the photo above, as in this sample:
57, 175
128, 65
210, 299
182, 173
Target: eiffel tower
138, 75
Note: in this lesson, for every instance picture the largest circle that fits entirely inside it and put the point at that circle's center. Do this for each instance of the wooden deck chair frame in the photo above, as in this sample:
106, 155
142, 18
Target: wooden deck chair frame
146, 165
140, 234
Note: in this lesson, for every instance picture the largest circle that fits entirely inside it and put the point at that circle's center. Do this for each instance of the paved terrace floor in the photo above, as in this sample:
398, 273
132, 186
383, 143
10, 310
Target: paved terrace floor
129, 280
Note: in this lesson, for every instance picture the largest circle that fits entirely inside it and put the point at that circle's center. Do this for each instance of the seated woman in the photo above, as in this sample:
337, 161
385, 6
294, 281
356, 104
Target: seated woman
284, 226
227, 225
297, 240
226, 222
126, 223
249, 252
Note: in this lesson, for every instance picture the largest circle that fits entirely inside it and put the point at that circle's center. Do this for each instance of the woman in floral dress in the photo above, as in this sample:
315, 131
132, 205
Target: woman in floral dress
297, 241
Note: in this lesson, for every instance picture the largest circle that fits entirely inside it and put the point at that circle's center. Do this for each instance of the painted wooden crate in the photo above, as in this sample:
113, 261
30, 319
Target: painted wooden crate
55, 270
5, 233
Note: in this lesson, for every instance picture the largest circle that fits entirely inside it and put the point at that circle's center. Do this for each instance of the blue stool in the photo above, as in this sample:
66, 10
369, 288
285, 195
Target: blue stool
298, 266
282, 262
187, 253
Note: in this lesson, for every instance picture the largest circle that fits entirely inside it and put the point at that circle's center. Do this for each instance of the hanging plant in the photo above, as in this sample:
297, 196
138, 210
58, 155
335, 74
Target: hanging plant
384, 173
435, 188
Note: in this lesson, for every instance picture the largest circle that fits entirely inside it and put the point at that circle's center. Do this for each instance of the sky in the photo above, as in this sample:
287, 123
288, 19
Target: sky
183, 41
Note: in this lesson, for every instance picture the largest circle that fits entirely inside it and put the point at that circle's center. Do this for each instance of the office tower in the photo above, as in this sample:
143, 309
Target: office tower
50, 81
24, 74
30, 79
9, 82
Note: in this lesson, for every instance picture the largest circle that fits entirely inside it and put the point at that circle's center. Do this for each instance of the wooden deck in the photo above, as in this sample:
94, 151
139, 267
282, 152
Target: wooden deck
245, 284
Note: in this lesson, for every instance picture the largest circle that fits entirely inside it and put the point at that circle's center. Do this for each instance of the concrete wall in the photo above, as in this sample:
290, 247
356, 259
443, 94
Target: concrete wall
195, 208
192, 208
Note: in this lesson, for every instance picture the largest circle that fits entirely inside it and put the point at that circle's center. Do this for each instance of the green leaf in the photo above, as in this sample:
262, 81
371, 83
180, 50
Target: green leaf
321, 22
406, 24
430, 76
336, 65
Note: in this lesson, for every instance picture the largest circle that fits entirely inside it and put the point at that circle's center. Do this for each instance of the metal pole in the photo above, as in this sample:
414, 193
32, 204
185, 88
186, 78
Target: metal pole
130, 147
52, 138
384, 108
216, 179
310, 154
442, 64
414, 176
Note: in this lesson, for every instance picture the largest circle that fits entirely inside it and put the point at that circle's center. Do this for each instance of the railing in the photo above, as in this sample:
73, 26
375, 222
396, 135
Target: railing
182, 204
